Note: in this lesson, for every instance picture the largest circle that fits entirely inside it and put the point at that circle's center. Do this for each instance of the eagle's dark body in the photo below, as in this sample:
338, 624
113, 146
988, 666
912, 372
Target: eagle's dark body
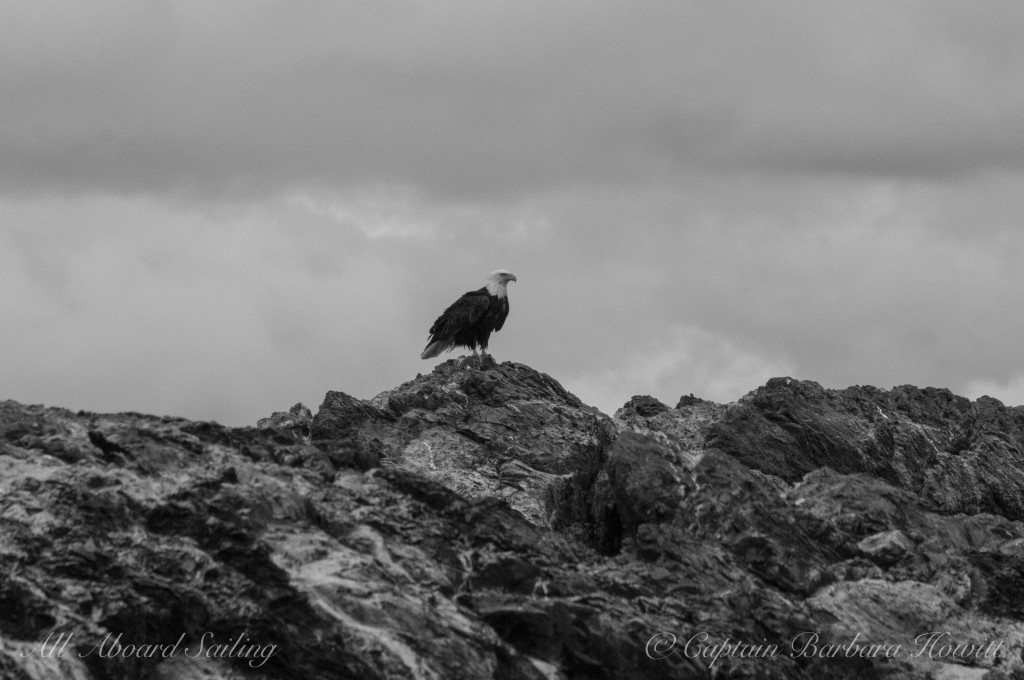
470, 320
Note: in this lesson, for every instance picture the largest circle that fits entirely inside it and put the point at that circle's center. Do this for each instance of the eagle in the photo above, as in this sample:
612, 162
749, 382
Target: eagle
471, 319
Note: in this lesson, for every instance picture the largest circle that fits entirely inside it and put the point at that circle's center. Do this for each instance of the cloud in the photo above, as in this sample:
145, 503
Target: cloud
230, 311
218, 209
1009, 390
484, 100
684, 360
183, 312
847, 282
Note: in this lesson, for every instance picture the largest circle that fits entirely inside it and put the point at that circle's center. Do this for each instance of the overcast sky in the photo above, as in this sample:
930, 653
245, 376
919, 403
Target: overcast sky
218, 209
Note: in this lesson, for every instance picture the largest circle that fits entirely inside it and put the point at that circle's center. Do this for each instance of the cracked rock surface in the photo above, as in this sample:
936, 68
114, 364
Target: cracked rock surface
482, 522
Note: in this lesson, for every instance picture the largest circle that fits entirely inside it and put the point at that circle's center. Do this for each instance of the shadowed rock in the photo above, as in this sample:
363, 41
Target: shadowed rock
962, 456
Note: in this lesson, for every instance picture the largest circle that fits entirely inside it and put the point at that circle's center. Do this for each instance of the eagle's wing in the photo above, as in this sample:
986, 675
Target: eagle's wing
461, 314
502, 314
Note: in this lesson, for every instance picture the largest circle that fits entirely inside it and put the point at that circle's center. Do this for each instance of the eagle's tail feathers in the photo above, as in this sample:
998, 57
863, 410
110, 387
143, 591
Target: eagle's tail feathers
435, 348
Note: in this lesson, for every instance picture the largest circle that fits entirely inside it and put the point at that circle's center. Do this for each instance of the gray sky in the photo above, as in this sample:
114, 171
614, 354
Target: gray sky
218, 209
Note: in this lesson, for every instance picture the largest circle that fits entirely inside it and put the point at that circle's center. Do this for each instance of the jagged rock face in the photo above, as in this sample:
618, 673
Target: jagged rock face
882, 515
295, 423
492, 430
961, 456
481, 522
160, 529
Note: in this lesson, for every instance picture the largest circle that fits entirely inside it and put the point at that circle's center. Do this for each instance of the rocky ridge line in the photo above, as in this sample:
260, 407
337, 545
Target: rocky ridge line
482, 522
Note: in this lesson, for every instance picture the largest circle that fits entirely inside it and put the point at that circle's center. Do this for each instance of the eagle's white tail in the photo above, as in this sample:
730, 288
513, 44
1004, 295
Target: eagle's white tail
434, 349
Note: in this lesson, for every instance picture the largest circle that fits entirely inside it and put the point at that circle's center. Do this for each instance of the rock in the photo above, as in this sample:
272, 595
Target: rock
483, 430
689, 400
482, 522
960, 456
296, 422
886, 547
642, 406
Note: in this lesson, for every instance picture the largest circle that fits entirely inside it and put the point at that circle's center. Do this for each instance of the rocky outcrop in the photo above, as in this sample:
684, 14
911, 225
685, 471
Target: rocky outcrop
495, 430
957, 455
482, 522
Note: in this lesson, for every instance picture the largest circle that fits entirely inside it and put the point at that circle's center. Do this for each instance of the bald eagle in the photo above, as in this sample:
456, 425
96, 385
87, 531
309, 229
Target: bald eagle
471, 319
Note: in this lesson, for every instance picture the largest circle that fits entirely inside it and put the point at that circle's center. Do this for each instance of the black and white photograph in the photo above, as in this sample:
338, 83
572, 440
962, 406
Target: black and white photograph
478, 340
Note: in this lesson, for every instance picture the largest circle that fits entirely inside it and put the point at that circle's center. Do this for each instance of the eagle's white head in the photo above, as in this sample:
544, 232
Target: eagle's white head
497, 281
